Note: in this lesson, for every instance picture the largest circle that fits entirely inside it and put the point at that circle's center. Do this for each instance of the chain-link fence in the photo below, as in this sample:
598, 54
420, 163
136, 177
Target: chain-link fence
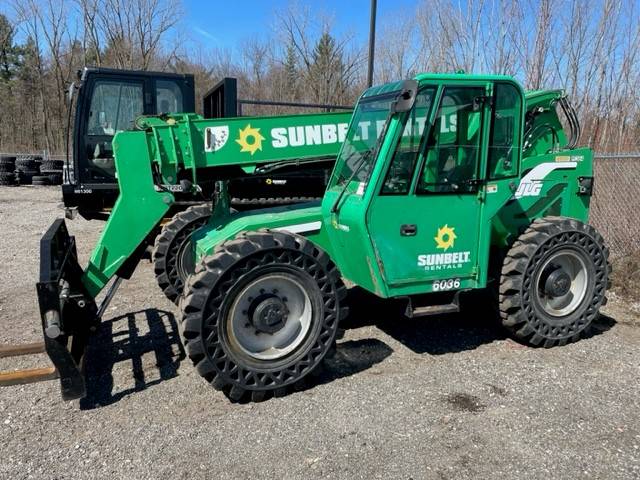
615, 205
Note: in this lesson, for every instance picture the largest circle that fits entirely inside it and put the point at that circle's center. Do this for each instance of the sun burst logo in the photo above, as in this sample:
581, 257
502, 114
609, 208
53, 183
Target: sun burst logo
252, 134
445, 237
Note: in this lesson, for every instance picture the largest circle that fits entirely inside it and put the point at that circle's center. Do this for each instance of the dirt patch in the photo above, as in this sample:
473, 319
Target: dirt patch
626, 276
465, 403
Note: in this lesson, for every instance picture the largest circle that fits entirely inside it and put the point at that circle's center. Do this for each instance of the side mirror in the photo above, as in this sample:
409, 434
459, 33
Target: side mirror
407, 97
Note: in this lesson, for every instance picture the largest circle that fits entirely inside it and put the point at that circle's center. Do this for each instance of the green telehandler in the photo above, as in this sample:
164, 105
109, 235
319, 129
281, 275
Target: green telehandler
444, 183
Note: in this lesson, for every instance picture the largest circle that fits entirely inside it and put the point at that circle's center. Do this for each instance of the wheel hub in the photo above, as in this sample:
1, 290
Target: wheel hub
562, 283
268, 313
558, 283
270, 317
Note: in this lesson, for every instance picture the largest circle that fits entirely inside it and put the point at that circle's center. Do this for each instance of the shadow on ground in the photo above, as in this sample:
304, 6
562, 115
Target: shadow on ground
121, 340
476, 324
149, 342
352, 357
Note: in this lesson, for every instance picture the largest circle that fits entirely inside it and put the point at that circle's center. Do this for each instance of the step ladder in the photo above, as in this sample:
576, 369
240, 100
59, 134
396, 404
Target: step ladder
428, 310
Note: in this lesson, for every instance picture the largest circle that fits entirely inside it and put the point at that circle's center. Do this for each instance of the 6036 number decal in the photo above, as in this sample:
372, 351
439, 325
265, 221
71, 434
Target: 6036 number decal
449, 284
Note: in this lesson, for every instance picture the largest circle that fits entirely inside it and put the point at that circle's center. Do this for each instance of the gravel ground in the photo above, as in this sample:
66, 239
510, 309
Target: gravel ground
446, 397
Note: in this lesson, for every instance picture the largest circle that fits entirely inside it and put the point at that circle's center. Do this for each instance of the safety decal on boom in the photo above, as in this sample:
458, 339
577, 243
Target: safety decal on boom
531, 183
215, 138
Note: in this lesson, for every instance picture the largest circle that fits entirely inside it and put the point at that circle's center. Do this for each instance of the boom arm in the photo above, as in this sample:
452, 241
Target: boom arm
172, 152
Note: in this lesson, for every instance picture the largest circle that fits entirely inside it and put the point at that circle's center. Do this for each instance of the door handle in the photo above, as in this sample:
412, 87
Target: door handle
408, 230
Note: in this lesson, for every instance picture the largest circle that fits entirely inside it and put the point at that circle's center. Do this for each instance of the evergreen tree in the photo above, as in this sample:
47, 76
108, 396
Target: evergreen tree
328, 71
291, 72
10, 54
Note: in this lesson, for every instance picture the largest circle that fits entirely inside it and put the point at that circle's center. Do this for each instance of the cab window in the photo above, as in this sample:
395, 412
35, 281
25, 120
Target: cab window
398, 179
504, 138
114, 107
168, 97
452, 155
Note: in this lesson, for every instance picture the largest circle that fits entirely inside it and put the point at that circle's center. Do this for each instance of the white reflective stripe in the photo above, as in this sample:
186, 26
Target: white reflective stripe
539, 172
300, 227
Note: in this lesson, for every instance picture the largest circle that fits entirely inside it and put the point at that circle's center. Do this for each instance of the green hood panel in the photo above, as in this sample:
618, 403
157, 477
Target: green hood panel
304, 219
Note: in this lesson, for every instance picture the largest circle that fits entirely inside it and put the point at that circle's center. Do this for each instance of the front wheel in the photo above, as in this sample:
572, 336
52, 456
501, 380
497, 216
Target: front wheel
554, 280
262, 313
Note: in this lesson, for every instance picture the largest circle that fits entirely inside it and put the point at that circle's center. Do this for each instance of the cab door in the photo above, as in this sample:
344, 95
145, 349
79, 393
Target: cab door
424, 221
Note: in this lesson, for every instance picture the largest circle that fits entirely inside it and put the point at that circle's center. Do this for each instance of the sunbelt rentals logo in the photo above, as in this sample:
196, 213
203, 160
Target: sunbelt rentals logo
445, 239
249, 139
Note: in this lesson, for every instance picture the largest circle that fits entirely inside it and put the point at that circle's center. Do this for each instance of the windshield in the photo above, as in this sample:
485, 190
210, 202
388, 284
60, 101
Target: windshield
357, 151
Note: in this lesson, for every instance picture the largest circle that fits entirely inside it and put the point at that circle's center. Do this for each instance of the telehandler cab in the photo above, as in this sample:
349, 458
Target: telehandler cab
444, 183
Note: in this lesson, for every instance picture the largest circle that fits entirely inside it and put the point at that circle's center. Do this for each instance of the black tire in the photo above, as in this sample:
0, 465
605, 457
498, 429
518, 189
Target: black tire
26, 177
28, 157
52, 165
171, 273
213, 299
7, 179
54, 178
40, 180
27, 165
7, 164
537, 301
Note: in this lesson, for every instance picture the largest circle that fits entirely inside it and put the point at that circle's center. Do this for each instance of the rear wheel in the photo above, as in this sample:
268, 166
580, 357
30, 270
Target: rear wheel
262, 313
172, 258
554, 280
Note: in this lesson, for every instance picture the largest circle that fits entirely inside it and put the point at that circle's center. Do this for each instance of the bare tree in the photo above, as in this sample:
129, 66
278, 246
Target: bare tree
131, 30
329, 68
398, 52
588, 47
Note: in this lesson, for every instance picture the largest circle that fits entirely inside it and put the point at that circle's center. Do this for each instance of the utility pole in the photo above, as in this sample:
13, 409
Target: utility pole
372, 41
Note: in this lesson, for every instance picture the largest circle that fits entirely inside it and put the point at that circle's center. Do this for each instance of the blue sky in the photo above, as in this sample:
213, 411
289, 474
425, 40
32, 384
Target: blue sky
238, 20
225, 24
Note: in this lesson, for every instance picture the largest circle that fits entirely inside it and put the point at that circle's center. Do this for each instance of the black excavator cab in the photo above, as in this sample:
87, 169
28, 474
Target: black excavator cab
107, 101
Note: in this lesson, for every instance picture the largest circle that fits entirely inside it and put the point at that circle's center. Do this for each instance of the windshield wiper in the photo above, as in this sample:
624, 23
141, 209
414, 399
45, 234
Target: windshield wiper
356, 170
340, 178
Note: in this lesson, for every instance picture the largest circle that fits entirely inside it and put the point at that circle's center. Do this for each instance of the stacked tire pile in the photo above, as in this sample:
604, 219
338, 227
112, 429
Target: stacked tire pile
29, 170
7, 170
52, 171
